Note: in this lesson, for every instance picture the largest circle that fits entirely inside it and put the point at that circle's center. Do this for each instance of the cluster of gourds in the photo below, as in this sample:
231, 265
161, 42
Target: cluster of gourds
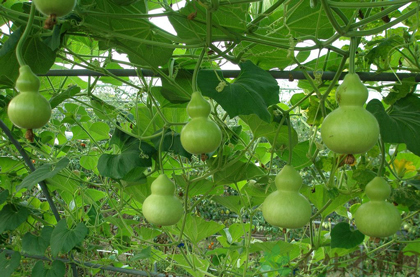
350, 129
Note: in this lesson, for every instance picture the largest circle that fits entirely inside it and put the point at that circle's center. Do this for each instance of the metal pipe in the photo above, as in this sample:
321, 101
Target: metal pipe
288, 75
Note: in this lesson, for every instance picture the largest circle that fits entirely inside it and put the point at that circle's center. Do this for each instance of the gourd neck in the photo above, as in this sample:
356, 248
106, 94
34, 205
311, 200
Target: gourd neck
352, 92
198, 106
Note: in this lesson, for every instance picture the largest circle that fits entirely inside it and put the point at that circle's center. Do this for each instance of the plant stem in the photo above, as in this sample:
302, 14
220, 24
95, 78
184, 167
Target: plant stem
25, 34
353, 49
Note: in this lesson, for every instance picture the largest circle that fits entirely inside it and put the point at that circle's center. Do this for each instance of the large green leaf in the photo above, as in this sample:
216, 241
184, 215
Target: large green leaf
236, 172
302, 19
171, 143
45, 171
36, 53
277, 135
57, 269
251, 93
12, 216
401, 124
129, 34
133, 154
190, 22
343, 237
64, 239
8, 266
63, 96
36, 245
301, 154
197, 229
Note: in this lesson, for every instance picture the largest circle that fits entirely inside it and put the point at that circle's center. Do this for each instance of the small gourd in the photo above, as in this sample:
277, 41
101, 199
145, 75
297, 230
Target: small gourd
29, 109
200, 135
350, 129
378, 218
286, 207
162, 207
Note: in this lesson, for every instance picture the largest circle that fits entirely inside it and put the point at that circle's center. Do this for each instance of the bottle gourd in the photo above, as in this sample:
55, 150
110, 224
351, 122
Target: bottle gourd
378, 218
162, 207
200, 135
29, 109
350, 129
286, 207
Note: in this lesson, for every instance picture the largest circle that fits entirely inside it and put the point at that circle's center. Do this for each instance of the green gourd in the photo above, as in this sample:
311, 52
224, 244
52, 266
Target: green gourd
378, 218
162, 207
200, 135
29, 109
350, 129
286, 207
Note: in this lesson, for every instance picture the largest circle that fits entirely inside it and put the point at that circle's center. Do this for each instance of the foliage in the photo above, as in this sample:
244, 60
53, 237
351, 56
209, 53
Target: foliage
111, 136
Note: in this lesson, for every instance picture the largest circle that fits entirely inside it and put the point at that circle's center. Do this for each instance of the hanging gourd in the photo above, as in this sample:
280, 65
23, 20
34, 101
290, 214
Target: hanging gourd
350, 129
286, 207
162, 207
200, 135
29, 109
378, 218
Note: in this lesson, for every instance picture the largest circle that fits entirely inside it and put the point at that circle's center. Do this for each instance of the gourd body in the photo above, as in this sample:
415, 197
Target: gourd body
350, 129
29, 109
200, 135
286, 207
378, 218
58, 8
162, 207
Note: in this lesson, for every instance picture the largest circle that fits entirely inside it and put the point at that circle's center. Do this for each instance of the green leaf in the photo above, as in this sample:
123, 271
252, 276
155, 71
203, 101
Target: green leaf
36, 53
236, 172
36, 245
412, 248
343, 237
63, 96
139, 190
175, 95
171, 143
57, 269
197, 229
231, 202
8, 266
3, 196
301, 19
401, 124
251, 93
401, 90
190, 22
381, 54
300, 157
298, 97
64, 239
143, 254
271, 131
127, 33
133, 154
43, 172
12, 216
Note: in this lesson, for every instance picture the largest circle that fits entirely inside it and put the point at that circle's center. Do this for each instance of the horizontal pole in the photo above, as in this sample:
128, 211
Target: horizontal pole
288, 75
87, 264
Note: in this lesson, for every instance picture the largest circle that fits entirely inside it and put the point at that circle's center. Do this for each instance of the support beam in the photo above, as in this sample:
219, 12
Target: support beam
296, 75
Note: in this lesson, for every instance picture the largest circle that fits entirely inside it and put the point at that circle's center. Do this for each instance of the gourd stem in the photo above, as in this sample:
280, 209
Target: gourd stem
196, 70
382, 165
354, 41
22, 39
289, 128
